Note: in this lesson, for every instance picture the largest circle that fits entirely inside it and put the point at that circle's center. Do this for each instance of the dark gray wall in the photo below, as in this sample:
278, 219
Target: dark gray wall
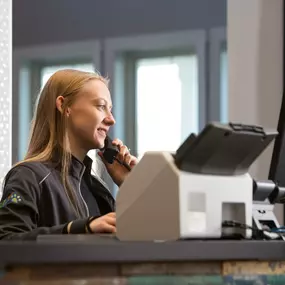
52, 21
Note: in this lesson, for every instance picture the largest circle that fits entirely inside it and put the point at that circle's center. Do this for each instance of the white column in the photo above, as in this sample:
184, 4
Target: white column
5, 87
255, 57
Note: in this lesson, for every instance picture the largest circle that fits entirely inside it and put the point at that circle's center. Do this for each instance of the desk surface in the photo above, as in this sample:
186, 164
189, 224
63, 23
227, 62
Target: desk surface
86, 249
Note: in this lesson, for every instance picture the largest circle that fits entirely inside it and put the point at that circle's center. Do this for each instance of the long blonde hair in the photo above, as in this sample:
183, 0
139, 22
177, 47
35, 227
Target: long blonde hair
49, 126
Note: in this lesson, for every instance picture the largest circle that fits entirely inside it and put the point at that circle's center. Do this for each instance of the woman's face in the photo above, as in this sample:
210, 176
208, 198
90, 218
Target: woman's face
90, 116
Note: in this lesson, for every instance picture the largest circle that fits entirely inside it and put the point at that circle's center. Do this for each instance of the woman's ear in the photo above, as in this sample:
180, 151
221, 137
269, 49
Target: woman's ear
59, 105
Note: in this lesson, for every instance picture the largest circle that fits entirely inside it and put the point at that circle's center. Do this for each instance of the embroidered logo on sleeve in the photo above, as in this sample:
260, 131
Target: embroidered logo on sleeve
12, 198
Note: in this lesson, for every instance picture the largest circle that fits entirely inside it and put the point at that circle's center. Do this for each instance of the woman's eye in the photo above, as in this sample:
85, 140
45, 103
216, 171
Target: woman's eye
102, 107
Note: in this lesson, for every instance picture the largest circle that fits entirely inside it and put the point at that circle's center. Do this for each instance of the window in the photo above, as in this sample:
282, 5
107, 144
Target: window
31, 68
145, 72
166, 102
47, 71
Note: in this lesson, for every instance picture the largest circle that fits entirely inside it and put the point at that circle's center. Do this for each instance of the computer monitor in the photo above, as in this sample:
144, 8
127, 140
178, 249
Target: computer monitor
277, 166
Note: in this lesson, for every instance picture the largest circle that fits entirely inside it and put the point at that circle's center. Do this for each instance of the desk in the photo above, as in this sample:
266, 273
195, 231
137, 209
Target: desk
83, 260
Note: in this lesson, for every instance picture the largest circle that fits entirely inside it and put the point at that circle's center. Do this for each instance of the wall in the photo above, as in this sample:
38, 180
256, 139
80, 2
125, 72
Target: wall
255, 54
40, 22
5, 88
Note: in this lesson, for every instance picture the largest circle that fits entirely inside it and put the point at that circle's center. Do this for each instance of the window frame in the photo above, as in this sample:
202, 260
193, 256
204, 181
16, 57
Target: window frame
32, 59
217, 38
119, 55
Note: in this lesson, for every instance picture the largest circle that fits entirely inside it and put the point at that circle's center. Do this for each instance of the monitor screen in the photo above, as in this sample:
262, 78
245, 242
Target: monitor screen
277, 167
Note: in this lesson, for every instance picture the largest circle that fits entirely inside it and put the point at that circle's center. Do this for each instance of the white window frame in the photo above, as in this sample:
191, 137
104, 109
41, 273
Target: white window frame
124, 108
217, 37
47, 54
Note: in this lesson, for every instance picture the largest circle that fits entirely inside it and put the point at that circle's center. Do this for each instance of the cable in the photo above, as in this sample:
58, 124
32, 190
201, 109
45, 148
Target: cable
123, 163
257, 233
280, 230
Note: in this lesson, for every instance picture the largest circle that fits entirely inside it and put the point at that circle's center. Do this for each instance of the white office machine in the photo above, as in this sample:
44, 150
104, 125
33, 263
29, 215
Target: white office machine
190, 194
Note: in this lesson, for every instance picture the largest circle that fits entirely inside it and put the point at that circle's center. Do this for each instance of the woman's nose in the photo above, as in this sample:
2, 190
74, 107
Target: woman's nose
110, 120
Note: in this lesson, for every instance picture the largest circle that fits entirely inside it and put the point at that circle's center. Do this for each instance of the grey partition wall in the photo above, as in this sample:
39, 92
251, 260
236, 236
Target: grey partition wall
255, 63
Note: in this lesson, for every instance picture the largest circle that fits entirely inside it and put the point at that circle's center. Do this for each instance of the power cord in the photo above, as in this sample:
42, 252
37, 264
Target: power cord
280, 230
268, 234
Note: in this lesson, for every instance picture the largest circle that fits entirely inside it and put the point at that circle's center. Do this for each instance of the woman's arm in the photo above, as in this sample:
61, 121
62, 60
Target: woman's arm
19, 212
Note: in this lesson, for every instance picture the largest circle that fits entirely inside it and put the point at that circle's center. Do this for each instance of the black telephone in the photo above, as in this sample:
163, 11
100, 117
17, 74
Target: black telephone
110, 152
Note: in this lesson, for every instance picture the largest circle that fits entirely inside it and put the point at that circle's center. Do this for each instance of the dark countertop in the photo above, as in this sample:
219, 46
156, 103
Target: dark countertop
87, 249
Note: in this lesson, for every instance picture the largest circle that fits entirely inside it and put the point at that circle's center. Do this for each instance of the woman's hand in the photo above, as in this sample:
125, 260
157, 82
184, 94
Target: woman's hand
104, 224
117, 171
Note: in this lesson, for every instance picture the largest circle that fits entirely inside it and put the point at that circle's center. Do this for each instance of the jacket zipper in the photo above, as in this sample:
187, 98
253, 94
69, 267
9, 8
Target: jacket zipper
80, 178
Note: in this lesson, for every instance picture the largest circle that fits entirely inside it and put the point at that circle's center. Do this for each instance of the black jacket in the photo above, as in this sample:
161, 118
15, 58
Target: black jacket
34, 200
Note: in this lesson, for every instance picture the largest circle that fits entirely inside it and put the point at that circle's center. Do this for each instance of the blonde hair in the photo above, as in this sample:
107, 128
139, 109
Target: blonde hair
49, 126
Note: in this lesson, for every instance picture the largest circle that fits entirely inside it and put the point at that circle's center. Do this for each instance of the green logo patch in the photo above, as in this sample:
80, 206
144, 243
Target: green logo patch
11, 199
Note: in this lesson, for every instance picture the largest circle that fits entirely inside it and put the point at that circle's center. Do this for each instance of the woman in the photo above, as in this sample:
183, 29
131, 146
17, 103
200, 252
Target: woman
52, 191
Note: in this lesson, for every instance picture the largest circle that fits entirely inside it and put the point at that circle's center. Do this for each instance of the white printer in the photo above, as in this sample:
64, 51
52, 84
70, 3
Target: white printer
189, 194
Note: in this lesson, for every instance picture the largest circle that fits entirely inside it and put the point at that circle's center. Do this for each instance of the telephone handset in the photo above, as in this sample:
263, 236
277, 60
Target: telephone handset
110, 152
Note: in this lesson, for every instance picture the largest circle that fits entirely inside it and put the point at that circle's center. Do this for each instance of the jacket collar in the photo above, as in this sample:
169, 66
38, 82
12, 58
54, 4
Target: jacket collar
77, 168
